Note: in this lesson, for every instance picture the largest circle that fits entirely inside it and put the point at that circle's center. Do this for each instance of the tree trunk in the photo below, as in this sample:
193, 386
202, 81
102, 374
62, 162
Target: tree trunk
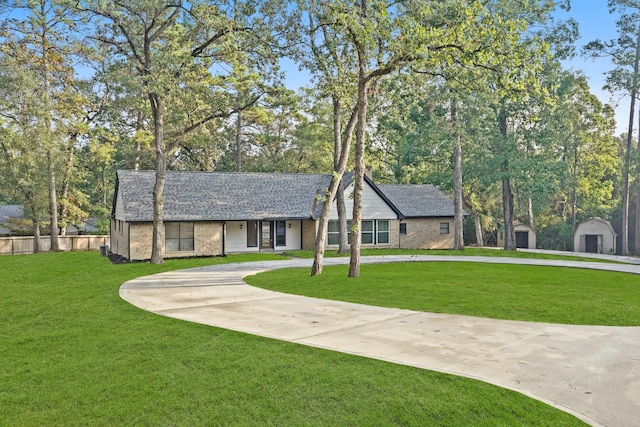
625, 173
358, 187
458, 218
239, 142
138, 147
507, 207
343, 243
636, 228
336, 179
343, 224
157, 247
66, 178
51, 172
507, 194
627, 154
478, 225
36, 232
53, 200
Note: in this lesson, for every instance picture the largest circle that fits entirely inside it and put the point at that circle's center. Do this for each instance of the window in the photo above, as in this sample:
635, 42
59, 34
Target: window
281, 233
383, 232
333, 233
252, 234
403, 228
444, 228
366, 233
371, 232
178, 236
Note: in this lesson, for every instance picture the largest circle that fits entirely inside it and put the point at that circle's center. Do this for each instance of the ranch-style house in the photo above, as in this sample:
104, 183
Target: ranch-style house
215, 213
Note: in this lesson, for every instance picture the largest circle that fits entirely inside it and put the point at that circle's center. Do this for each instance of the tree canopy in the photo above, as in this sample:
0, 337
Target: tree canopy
415, 91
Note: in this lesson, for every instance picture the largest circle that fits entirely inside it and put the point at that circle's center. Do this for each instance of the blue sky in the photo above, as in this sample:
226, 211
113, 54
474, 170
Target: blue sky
595, 22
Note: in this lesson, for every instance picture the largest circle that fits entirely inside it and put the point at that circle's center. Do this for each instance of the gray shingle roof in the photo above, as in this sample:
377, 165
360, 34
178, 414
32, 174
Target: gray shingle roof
418, 200
10, 211
228, 196
210, 196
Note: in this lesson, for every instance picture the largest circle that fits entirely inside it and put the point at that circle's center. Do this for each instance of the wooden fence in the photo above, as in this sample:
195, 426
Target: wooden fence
24, 244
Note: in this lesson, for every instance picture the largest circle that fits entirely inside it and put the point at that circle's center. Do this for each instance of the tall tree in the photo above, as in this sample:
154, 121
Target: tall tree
624, 52
173, 48
41, 38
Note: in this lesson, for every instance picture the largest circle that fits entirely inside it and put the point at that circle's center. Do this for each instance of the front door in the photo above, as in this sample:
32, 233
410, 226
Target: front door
522, 239
266, 235
591, 243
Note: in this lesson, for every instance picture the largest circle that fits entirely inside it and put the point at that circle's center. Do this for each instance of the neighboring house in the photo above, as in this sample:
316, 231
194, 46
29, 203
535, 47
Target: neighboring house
595, 235
214, 213
90, 226
525, 236
12, 220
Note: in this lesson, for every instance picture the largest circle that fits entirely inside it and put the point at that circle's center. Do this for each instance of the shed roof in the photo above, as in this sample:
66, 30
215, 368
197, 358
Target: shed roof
419, 200
596, 219
211, 196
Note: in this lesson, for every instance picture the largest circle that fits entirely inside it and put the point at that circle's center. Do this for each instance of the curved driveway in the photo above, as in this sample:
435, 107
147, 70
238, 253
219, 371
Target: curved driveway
592, 372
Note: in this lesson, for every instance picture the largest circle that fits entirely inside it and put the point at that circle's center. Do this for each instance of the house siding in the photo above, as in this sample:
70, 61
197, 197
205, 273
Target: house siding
236, 237
120, 237
373, 206
424, 233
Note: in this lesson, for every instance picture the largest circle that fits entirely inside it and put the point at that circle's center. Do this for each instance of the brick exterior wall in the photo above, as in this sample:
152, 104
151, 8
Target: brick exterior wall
424, 233
308, 235
207, 241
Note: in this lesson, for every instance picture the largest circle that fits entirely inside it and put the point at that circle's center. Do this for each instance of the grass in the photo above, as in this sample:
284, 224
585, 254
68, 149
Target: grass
74, 354
450, 252
514, 292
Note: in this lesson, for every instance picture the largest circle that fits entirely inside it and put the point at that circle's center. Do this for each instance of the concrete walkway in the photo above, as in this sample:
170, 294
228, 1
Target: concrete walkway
592, 372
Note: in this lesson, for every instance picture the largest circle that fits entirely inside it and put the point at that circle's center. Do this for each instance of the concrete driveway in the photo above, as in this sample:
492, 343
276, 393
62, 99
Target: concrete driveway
592, 372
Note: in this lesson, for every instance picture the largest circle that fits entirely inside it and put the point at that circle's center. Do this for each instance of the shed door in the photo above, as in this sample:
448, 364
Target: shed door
591, 243
522, 239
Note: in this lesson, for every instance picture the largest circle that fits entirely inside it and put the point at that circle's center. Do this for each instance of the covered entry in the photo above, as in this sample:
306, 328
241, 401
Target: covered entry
266, 235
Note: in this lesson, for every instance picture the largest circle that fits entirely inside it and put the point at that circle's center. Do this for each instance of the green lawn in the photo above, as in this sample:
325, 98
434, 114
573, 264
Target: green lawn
500, 291
467, 252
73, 353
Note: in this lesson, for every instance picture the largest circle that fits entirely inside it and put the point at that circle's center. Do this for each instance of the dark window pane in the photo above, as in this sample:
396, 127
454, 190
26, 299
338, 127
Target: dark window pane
444, 228
172, 245
281, 233
172, 230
